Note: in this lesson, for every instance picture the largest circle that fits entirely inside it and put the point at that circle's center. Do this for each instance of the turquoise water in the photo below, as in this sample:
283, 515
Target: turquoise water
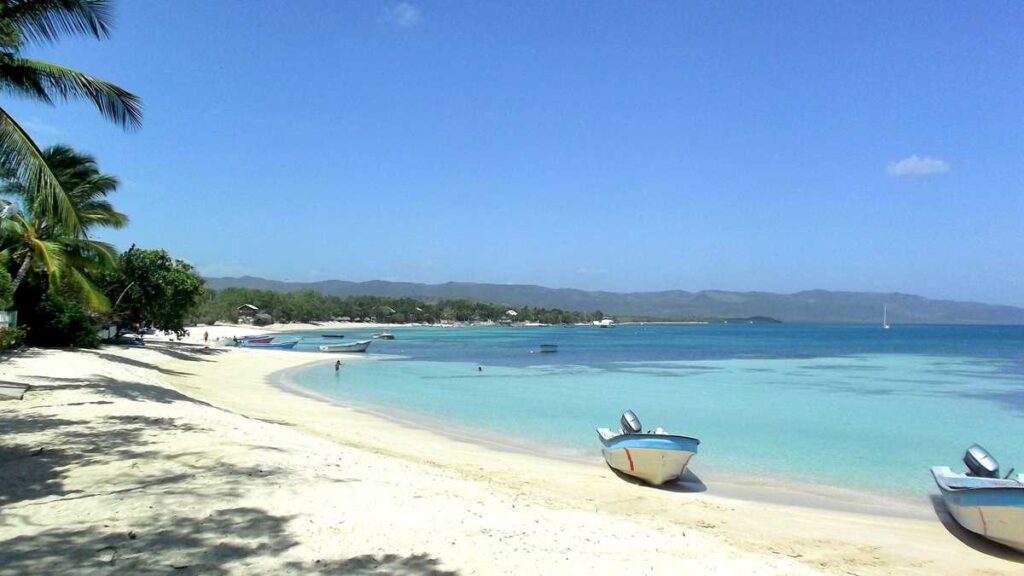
846, 406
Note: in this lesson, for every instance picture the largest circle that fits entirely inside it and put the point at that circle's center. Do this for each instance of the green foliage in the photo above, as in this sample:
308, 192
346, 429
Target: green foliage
149, 288
36, 242
6, 296
44, 22
310, 306
62, 322
11, 338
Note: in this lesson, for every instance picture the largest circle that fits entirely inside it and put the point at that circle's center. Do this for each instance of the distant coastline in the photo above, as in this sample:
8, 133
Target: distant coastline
811, 306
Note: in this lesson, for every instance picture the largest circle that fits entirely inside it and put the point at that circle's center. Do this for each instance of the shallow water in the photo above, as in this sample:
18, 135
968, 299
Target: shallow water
838, 405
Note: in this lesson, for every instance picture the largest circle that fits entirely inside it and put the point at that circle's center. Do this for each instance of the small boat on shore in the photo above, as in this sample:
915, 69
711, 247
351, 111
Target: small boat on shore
332, 335
358, 346
981, 501
549, 347
654, 457
286, 345
247, 340
384, 336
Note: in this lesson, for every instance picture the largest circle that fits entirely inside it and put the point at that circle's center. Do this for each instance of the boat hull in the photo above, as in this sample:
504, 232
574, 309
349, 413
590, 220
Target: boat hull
354, 347
273, 345
653, 458
986, 508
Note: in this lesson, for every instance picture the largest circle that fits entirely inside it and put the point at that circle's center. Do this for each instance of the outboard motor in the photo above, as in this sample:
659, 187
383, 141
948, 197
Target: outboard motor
981, 463
630, 423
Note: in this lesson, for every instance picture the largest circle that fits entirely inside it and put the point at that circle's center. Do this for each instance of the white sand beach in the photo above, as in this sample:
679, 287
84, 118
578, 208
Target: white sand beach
176, 458
223, 334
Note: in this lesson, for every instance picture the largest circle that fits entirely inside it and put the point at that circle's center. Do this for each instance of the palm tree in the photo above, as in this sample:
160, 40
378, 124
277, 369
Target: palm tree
33, 238
41, 22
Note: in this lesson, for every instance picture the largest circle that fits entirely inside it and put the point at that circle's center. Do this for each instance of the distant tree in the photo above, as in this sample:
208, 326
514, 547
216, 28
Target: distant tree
149, 288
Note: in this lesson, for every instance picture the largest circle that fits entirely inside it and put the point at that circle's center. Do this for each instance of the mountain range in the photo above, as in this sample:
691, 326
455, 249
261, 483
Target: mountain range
806, 306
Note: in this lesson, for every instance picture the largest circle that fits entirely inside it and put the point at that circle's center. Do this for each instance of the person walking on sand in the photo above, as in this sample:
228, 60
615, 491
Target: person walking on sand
206, 336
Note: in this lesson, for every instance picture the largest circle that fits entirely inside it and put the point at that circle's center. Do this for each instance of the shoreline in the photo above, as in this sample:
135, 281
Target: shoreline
870, 542
201, 456
768, 490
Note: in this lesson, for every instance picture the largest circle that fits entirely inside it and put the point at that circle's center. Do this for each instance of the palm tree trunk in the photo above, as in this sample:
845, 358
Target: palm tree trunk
22, 271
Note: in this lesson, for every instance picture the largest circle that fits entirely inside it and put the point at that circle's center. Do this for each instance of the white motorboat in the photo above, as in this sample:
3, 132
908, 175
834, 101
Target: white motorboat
359, 346
981, 501
655, 457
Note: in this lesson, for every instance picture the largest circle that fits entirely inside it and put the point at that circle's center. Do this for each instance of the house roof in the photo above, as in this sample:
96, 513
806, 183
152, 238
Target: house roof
247, 307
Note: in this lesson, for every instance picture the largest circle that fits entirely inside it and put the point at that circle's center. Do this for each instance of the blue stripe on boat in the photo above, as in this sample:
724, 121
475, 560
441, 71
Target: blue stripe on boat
656, 441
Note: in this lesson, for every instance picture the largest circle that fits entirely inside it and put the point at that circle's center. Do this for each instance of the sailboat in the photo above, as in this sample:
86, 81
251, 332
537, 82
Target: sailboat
885, 319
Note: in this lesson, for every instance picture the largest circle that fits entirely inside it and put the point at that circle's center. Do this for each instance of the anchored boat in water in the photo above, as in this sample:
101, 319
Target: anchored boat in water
981, 501
359, 346
654, 457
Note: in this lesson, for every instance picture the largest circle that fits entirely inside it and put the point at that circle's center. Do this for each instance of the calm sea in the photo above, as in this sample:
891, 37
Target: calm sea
850, 406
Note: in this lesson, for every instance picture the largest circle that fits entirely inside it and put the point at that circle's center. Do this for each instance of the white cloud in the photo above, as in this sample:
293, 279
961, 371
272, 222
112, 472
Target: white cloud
917, 166
33, 125
403, 15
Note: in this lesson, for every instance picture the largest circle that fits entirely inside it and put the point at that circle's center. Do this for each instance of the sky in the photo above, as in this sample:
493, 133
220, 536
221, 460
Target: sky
626, 146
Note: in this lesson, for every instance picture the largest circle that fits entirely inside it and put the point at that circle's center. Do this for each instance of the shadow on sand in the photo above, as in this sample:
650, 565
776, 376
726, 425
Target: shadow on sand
210, 536
30, 471
687, 483
979, 543
228, 540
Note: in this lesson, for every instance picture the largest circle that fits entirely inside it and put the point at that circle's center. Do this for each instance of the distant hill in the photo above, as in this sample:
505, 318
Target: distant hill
807, 306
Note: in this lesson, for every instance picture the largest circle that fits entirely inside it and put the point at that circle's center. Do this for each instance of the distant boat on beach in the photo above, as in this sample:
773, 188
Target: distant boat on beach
384, 336
549, 347
247, 340
981, 501
654, 457
885, 318
261, 344
358, 346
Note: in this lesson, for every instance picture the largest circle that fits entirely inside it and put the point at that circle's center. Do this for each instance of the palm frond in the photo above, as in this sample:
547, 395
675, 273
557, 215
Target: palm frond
101, 214
94, 296
50, 255
89, 254
20, 153
59, 82
21, 80
49, 20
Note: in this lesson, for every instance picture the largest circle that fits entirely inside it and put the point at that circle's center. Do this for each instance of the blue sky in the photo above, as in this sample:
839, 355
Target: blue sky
774, 146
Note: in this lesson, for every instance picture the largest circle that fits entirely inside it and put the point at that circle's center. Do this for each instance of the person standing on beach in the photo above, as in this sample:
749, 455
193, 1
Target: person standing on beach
206, 336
